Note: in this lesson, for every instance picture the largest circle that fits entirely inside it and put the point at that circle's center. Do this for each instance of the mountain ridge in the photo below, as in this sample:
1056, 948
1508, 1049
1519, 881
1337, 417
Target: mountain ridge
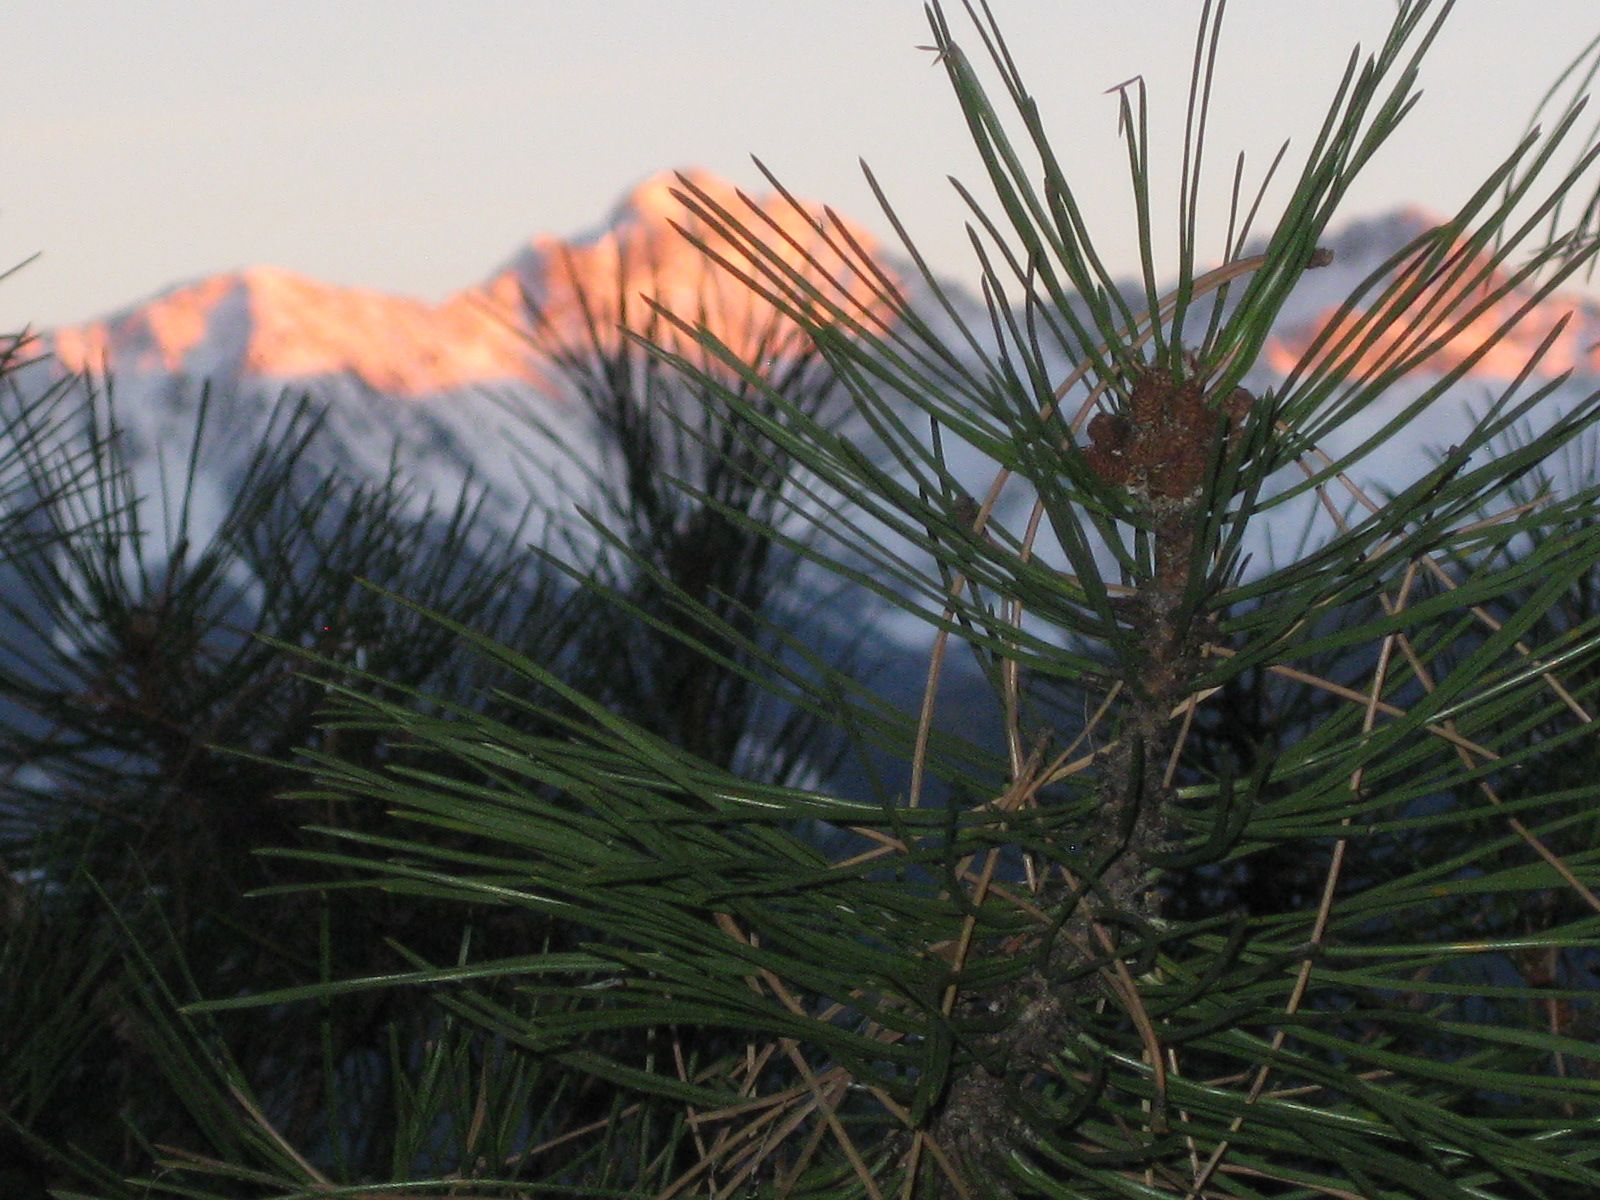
457, 397
263, 324
445, 391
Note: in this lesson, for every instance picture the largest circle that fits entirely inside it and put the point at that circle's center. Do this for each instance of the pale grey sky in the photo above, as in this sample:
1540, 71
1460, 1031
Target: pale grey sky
411, 145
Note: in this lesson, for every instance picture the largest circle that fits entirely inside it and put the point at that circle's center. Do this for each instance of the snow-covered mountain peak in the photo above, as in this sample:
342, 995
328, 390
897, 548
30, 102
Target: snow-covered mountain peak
1496, 344
652, 201
641, 250
438, 384
268, 325
265, 325
441, 390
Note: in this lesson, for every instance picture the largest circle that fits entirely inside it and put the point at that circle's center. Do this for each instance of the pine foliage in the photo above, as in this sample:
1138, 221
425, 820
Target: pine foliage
1276, 880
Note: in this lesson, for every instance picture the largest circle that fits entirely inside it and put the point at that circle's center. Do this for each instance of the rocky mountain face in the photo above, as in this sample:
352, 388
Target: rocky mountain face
435, 388
263, 326
1570, 319
436, 385
439, 391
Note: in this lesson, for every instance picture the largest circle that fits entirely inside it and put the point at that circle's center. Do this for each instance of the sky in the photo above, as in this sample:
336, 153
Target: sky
412, 146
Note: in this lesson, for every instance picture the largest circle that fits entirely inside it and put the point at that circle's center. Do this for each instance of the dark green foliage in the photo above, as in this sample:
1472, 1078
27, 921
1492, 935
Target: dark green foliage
168, 695
1278, 881
158, 693
689, 503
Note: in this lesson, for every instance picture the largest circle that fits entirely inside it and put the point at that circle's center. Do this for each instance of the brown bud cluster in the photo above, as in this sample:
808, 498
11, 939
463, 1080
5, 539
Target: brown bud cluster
1164, 445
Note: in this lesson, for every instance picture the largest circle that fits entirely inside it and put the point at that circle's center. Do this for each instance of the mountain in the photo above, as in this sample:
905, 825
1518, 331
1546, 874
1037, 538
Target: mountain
433, 387
1363, 247
433, 383
264, 326
436, 389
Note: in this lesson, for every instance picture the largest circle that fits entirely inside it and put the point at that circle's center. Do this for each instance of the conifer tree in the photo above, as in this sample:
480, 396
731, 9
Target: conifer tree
1334, 940
167, 687
159, 681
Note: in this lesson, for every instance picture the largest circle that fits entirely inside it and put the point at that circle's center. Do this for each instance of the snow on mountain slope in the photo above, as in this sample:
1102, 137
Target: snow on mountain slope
435, 384
264, 325
1361, 248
